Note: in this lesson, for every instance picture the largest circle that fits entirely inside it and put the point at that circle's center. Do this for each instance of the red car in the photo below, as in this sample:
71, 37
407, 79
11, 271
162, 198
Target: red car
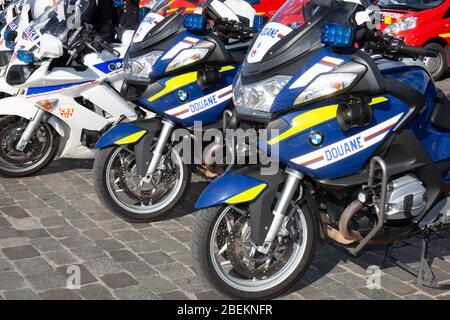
266, 7
421, 23
262, 7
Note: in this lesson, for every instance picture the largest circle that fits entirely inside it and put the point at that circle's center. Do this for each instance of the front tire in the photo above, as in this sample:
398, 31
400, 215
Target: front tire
37, 155
236, 283
124, 198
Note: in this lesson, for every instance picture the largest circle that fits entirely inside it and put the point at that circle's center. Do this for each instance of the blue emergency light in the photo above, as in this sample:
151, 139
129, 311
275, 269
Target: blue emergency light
258, 23
194, 22
25, 56
337, 35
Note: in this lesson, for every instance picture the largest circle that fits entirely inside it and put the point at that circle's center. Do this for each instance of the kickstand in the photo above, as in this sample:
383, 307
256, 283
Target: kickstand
425, 276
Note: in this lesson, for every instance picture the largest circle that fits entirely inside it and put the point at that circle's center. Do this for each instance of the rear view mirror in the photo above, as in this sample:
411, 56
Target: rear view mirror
51, 47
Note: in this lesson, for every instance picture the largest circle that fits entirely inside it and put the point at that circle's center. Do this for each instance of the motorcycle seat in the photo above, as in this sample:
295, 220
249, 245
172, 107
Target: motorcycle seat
440, 117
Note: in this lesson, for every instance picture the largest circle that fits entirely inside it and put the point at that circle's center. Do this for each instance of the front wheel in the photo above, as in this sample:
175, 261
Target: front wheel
225, 254
39, 152
121, 189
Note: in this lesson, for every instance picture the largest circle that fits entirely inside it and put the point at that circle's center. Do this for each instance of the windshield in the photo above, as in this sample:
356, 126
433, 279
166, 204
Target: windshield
57, 20
161, 10
410, 4
293, 14
296, 28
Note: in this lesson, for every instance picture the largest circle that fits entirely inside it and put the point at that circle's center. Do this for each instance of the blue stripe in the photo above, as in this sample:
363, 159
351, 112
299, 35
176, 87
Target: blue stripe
49, 89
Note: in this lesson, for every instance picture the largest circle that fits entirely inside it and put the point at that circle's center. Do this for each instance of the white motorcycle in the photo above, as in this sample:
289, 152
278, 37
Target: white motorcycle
14, 17
69, 82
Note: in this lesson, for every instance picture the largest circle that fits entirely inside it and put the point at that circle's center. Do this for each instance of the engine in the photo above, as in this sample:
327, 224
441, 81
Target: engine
405, 198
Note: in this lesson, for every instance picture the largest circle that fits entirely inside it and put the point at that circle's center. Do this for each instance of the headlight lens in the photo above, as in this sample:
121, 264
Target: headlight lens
257, 98
326, 85
139, 68
187, 57
401, 25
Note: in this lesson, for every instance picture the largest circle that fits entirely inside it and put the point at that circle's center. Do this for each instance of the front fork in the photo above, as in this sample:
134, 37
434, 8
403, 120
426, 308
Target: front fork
32, 126
287, 194
166, 131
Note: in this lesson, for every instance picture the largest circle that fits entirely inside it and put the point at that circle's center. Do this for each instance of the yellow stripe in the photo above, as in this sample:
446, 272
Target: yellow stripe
131, 138
445, 35
180, 81
312, 118
247, 195
378, 100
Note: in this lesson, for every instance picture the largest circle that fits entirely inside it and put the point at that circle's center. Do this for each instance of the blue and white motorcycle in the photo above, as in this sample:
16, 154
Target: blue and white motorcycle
180, 66
363, 145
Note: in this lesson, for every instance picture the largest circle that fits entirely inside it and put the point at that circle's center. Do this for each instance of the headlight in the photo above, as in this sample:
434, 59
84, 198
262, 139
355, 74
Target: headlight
257, 98
401, 25
326, 85
187, 57
139, 68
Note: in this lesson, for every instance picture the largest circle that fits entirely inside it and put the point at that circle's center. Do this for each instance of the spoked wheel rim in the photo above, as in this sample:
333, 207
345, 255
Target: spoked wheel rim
36, 152
124, 186
269, 275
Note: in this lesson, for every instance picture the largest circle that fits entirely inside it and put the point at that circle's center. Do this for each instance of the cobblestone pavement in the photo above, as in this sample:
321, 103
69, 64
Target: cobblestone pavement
54, 220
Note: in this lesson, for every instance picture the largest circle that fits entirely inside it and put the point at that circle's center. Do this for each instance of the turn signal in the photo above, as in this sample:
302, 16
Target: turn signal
47, 104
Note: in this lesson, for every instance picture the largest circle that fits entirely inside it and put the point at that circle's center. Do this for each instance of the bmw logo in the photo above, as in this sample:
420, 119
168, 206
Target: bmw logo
316, 138
183, 96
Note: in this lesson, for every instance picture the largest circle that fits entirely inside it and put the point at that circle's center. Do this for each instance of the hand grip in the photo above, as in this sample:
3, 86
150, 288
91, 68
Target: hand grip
417, 51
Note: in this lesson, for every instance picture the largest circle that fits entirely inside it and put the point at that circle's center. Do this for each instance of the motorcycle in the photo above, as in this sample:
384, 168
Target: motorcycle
69, 81
180, 65
13, 20
361, 143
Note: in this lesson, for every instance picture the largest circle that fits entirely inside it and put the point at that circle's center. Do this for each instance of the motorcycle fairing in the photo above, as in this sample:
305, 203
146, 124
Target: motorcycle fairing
105, 69
183, 41
323, 62
203, 105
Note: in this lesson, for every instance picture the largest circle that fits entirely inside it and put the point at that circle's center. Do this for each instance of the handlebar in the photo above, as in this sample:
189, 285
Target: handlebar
234, 29
108, 48
417, 51
391, 46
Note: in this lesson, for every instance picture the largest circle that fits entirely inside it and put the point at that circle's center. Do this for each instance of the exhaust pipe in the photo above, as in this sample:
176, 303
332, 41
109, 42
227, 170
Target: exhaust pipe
344, 221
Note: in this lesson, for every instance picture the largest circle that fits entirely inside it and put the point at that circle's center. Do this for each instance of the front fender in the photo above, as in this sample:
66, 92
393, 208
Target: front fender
124, 133
246, 185
141, 133
18, 106
230, 188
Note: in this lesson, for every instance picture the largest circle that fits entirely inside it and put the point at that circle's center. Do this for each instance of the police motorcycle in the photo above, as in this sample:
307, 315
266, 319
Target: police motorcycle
13, 19
69, 81
362, 147
181, 67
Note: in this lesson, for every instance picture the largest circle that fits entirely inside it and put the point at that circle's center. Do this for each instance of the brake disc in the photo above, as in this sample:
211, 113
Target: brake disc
10, 136
247, 260
129, 182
